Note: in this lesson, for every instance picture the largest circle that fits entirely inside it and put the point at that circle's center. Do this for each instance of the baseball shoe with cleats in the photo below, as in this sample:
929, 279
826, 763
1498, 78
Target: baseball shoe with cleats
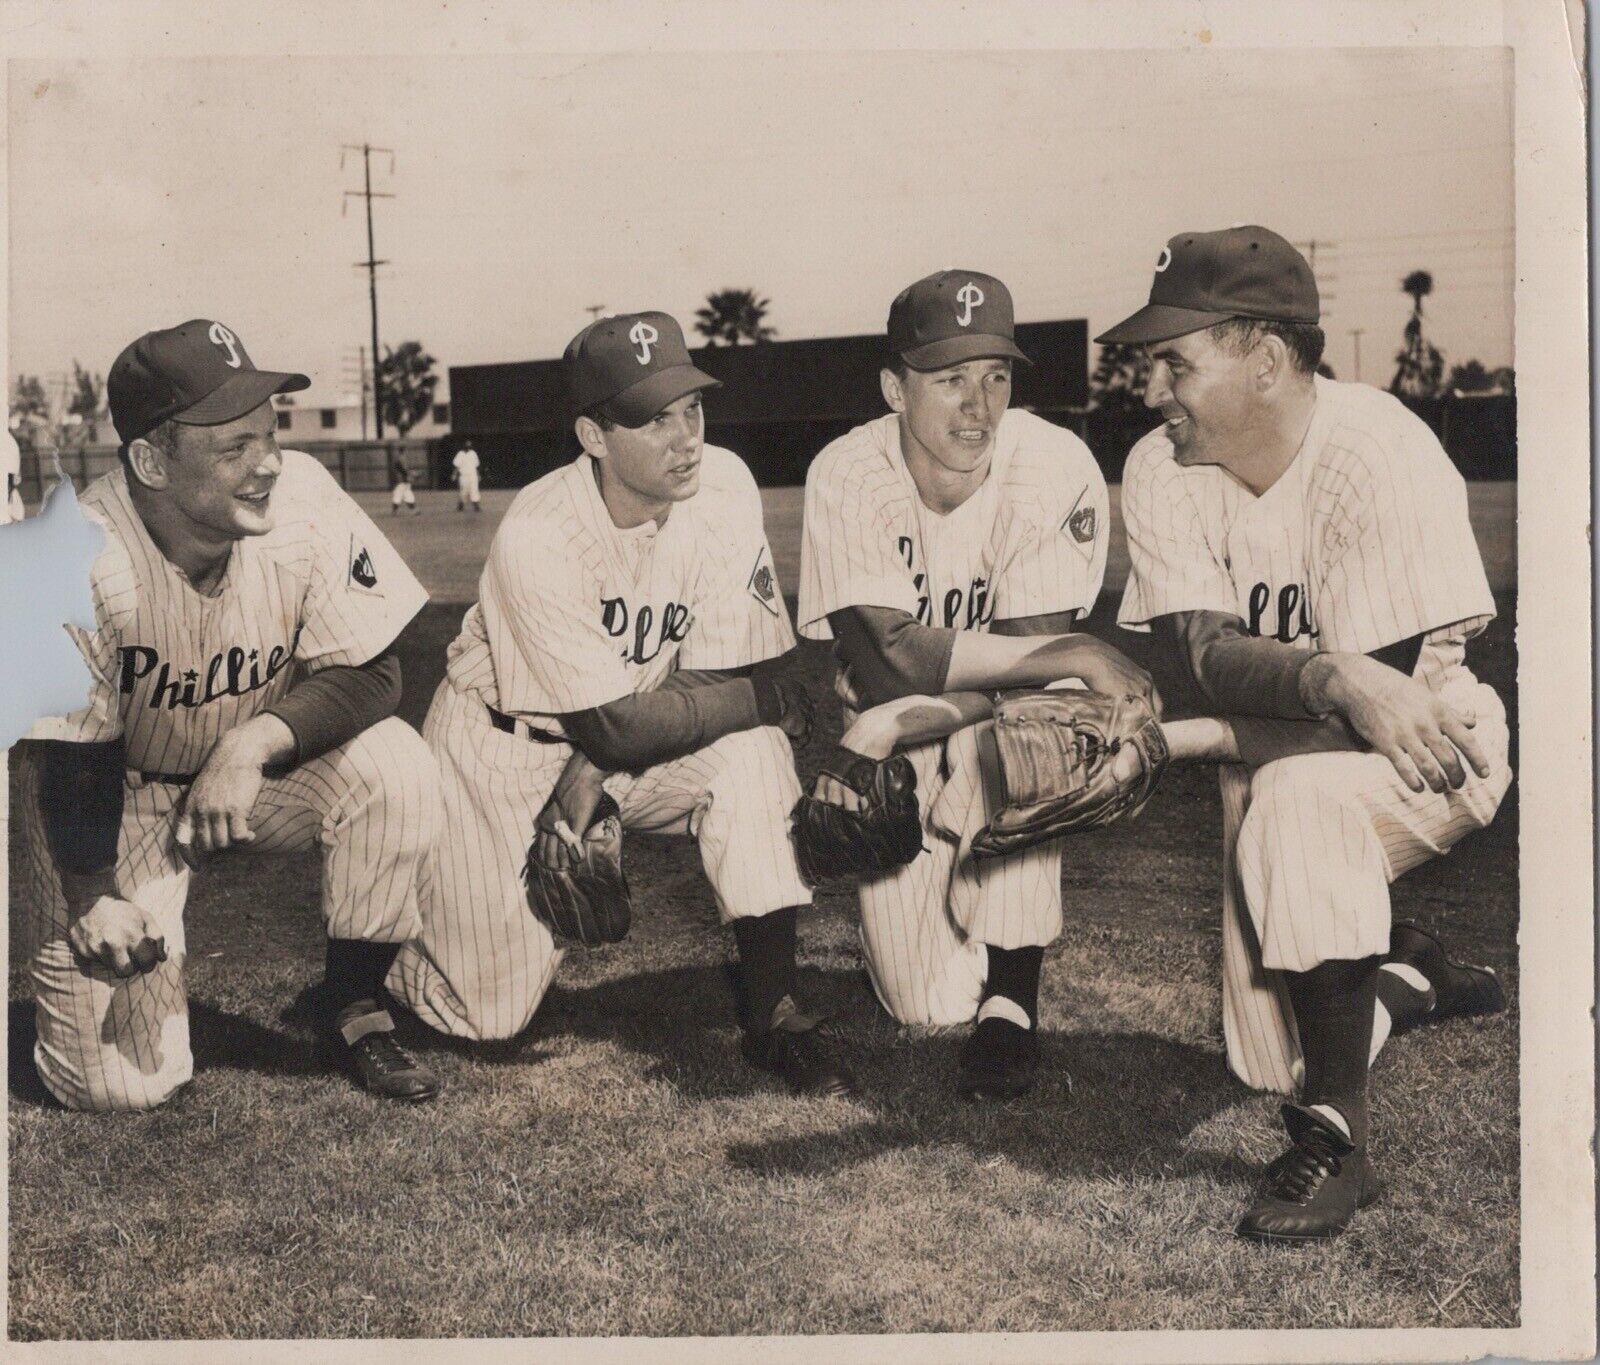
794, 1047
1407, 1006
363, 1046
1461, 991
1313, 1190
999, 1061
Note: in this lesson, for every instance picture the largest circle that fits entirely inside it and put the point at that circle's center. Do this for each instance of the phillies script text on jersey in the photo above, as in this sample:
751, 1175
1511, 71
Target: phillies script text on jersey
1293, 615
231, 672
979, 609
649, 638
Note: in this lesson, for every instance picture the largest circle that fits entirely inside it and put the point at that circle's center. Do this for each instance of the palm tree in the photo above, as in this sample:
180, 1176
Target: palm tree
1419, 364
733, 317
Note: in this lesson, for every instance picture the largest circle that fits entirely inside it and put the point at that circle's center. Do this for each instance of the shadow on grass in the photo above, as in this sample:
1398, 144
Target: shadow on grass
219, 1040
1113, 1104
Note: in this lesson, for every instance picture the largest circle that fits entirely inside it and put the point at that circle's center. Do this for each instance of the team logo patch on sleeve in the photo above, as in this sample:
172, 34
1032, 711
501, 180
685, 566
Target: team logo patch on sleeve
763, 584
362, 569
1081, 524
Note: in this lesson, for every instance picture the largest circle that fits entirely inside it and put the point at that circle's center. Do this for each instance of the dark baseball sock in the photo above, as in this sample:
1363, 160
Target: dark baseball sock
766, 963
354, 971
1333, 1005
1014, 973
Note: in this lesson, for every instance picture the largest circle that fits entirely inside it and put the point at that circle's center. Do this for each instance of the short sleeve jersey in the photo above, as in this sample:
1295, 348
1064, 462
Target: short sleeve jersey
173, 670
465, 461
574, 612
1030, 541
1362, 542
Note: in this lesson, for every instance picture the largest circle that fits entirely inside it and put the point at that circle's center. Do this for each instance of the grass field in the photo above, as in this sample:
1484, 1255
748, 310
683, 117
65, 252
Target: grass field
618, 1171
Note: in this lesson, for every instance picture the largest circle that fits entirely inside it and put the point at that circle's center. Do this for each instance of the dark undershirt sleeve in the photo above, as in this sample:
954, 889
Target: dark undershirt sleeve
333, 706
80, 802
891, 654
1235, 669
639, 731
1238, 673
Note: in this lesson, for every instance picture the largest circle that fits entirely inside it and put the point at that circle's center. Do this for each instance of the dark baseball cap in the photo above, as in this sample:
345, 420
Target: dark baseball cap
197, 373
631, 367
950, 317
1203, 278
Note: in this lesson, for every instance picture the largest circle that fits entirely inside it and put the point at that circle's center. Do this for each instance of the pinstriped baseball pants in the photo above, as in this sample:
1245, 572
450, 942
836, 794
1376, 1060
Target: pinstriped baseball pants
111, 1044
1310, 846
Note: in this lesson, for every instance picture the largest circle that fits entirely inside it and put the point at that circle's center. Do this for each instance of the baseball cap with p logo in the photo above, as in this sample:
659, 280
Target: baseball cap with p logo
951, 317
197, 373
630, 367
1203, 278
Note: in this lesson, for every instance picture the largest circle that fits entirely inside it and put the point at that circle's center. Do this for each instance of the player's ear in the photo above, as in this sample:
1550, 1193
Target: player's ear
590, 437
148, 463
1272, 361
894, 393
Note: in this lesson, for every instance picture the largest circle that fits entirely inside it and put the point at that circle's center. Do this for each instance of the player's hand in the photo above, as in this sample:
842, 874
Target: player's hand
118, 935
216, 815
1422, 735
876, 732
567, 815
799, 711
1104, 668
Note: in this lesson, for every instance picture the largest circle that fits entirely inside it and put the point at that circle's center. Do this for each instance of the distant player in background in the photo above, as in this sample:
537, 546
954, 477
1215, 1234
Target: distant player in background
950, 547
241, 691
465, 465
627, 599
400, 494
1303, 548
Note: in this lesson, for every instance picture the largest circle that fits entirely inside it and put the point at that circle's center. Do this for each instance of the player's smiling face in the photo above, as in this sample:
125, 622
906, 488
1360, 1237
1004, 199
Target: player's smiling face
1205, 393
650, 467
220, 479
950, 415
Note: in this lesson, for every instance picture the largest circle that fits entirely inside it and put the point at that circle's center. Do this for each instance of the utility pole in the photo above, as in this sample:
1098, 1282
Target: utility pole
1355, 335
594, 310
372, 262
356, 380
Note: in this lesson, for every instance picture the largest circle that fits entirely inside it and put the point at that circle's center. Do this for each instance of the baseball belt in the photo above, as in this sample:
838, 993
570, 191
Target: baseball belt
510, 725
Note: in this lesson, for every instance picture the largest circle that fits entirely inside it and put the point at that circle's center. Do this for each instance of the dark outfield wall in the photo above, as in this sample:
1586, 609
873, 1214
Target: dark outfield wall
782, 401
779, 404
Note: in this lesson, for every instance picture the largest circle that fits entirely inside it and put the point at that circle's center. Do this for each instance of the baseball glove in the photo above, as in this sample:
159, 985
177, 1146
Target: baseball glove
1056, 749
883, 834
586, 905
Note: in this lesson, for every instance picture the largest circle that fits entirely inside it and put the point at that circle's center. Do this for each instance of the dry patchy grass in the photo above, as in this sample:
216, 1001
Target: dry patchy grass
618, 1171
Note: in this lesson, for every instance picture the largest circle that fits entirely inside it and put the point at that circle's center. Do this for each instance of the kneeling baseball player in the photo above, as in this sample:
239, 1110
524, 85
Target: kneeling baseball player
626, 599
242, 696
950, 546
1303, 548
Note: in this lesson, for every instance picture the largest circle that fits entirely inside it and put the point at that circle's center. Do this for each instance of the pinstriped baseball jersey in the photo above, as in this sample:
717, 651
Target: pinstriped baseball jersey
575, 612
172, 670
1364, 540
1031, 540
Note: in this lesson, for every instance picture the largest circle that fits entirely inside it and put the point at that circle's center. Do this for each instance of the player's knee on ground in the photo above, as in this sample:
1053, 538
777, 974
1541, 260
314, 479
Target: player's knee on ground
109, 1050
933, 995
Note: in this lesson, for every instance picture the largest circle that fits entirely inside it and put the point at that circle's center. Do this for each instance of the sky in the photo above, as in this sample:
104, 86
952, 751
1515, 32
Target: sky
530, 187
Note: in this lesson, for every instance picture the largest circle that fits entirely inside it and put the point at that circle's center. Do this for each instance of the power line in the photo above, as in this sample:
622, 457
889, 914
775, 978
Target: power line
372, 262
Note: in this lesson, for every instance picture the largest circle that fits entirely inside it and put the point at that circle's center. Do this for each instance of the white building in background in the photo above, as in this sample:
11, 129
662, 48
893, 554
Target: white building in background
310, 416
